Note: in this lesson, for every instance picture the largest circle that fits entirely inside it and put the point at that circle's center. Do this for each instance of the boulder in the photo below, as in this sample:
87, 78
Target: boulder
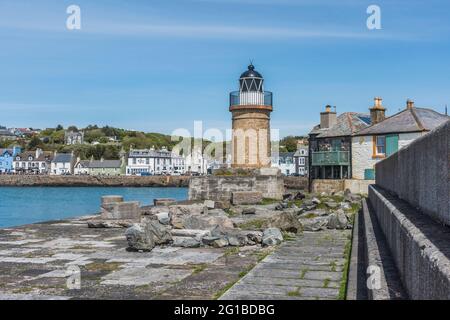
299, 196
163, 218
207, 222
331, 204
285, 221
253, 236
138, 239
196, 234
234, 241
345, 206
314, 223
209, 204
220, 243
272, 237
247, 211
315, 201
209, 240
338, 220
186, 242
161, 233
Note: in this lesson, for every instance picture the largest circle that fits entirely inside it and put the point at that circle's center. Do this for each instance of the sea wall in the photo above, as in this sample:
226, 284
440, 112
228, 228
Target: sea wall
335, 185
93, 181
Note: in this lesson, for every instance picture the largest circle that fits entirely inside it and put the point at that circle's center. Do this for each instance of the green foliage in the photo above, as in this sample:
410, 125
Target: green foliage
289, 143
34, 143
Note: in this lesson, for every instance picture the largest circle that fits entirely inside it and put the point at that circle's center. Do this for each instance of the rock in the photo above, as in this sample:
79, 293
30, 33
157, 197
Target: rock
315, 201
186, 242
164, 218
285, 221
299, 196
223, 205
207, 222
339, 194
253, 236
196, 234
272, 237
220, 243
287, 197
314, 223
246, 197
324, 194
209, 204
345, 206
279, 207
161, 233
234, 241
338, 220
331, 204
246, 211
110, 224
209, 240
164, 202
138, 239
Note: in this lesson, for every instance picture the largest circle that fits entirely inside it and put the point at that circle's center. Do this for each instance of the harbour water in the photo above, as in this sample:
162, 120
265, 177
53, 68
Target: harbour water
25, 205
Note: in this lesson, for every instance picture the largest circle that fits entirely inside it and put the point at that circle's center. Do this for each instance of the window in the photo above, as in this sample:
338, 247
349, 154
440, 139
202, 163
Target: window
380, 147
301, 161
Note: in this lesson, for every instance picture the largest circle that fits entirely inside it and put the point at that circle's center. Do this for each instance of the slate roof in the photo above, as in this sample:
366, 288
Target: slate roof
150, 154
63, 158
3, 151
6, 133
347, 124
45, 156
408, 120
98, 164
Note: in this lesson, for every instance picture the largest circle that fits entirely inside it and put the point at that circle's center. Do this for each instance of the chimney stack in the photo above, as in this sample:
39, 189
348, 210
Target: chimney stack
377, 112
409, 104
327, 118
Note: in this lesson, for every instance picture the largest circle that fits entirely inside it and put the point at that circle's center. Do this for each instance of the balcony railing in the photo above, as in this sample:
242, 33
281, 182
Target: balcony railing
331, 158
238, 98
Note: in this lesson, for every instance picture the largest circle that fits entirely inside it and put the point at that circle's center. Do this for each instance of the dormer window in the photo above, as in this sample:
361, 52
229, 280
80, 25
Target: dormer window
30, 158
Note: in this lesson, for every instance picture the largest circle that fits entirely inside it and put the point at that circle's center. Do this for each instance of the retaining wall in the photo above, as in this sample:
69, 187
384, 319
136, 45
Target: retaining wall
420, 173
419, 245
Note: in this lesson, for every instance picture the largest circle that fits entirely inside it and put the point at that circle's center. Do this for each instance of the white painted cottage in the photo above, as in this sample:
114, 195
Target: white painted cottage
386, 136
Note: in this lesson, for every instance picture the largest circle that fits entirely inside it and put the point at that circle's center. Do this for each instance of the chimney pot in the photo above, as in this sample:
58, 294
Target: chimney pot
409, 104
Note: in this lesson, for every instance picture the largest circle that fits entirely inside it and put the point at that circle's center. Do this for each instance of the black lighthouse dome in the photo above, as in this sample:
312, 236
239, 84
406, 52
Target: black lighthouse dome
251, 80
251, 73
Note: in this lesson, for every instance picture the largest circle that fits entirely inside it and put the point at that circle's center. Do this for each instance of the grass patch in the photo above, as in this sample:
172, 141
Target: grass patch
288, 236
260, 256
255, 224
199, 268
343, 285
333, 266
231, 251
303, 273
267, 201
230, 212
97, 266
298, 203
326, 283
309, 216
295, 293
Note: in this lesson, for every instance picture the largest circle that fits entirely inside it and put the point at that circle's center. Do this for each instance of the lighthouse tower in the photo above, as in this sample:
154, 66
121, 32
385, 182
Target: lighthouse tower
251, 107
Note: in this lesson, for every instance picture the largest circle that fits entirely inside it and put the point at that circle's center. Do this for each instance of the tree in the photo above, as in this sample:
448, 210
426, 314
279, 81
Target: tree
34, 143
59, 127
72, 128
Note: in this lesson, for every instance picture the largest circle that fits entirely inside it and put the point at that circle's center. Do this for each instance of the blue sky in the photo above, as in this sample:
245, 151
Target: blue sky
158, 65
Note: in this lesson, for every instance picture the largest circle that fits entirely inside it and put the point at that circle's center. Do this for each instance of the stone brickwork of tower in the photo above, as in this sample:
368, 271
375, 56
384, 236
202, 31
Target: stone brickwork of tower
251, 107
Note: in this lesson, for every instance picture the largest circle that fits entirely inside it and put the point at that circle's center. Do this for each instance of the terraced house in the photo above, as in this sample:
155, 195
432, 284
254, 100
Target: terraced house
349, 146
388, 135
6, 159
330, 144
33, 162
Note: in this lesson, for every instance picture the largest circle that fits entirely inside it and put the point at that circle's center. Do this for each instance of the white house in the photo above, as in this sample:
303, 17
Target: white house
301, 160
72, 137
285, 162
196, 162
34, 162
388, 135
62, 164
154, 162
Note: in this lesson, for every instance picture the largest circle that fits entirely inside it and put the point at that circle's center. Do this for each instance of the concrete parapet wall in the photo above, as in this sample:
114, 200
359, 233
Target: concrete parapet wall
336, 185
420, 173
220, 188
298, 183
419, 246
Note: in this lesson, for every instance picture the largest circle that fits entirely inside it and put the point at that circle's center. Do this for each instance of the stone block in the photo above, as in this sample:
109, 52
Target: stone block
121, 211
269, 171
209, 204
246, 197
164, 202
106, 200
